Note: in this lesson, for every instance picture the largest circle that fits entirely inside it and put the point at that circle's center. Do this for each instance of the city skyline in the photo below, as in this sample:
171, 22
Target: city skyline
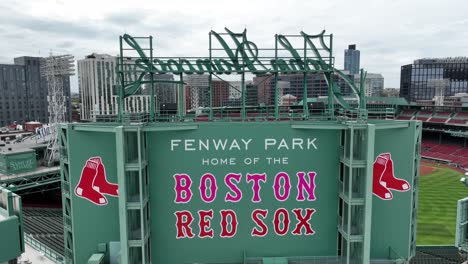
387, 37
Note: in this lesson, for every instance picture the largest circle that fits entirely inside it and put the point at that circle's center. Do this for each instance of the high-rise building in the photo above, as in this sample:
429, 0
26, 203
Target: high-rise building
197, 91
235, 90
165, 92
417, 79
97, 81
251, 91
351, 59
374, 83
23, 92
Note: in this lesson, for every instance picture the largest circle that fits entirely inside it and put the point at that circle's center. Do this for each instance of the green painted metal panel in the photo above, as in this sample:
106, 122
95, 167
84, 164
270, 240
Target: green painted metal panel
10, 248
230, 148
172, 153
92, 223
96, 259
17, 162
274, 261
391, 219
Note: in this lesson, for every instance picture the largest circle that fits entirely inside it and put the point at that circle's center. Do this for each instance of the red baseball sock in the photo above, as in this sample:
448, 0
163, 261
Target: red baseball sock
377, 188
85, 186
96, 159
390, 181
102, 185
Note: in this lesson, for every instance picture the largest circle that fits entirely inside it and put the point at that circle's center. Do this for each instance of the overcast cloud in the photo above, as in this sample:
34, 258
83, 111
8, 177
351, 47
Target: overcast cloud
388, 33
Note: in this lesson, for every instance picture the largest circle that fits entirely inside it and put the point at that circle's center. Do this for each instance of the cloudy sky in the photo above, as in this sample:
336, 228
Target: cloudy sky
389, 33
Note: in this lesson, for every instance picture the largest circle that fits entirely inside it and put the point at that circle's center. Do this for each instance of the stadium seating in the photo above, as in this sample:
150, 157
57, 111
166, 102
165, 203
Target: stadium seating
424, 119
443, 114
462, 152
445, 152
427, 145
437, 120
424, 113
404, 117
456, 121
436, 255
462, 115
449, 118
45, 225
408, 112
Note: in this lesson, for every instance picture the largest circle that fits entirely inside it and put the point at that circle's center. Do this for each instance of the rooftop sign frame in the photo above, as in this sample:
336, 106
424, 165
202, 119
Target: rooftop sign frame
292, 54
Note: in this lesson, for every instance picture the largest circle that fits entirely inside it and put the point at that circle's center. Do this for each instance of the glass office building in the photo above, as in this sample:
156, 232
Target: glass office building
352, 59
416, 82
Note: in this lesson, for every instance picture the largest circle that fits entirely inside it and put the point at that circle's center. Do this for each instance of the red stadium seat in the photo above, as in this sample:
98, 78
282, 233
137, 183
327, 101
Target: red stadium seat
404, 117
424, 119
442, 114
437, 120
408, 112
456, 121
424, 113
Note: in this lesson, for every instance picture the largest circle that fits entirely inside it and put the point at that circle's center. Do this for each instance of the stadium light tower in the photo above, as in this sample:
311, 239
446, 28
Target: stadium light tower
55, 69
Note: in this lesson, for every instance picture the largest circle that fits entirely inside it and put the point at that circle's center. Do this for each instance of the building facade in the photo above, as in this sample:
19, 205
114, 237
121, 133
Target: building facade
293, 84
225, 93
352, 59
97, 81
197, 91
417, 79
23, 92
391, 92
374, 84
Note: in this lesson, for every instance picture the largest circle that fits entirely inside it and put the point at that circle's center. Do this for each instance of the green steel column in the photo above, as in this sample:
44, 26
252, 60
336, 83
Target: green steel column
209, 82
152, 115
243, 112
330, 60
65, 168
140, 188
181, 93
21, 221
276, 79
331, 95
370, 140
122, 81
349, 177
120, 153
9, 204
417, 126
305, 106
362, 90
331, 99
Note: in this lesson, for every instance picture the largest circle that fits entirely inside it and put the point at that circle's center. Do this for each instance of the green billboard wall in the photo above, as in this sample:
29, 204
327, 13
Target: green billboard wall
234, 156
227, 192
93, 223
391, 228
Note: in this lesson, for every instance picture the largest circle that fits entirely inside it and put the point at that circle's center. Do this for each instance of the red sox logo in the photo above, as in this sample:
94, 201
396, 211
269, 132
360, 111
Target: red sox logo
384, 178
93, 183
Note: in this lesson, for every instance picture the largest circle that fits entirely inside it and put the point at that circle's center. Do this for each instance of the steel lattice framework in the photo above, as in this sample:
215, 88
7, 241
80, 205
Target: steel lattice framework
55, 69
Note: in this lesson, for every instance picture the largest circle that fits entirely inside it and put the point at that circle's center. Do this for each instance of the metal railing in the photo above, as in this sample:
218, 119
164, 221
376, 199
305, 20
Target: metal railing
43, 249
